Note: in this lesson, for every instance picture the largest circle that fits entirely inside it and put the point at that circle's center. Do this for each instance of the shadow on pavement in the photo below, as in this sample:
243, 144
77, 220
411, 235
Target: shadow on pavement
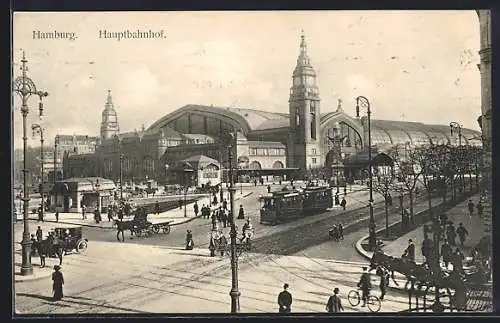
42, 297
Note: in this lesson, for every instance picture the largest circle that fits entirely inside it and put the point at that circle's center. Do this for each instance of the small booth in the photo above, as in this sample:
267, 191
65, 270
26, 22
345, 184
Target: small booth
198, 171
70, 194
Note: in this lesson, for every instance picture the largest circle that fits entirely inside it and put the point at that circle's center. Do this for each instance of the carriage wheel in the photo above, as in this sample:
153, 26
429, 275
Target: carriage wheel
353, 297
81, 246
373, 303
138, 233
166, 229
156, 228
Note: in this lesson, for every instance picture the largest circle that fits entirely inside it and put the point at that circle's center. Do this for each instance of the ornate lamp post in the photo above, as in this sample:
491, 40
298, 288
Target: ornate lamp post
25, 87
38, 130
121, 176
235, 294
363, 102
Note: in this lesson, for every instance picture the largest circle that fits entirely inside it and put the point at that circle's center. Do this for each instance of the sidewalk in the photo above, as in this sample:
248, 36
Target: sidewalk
176, 215
458, 214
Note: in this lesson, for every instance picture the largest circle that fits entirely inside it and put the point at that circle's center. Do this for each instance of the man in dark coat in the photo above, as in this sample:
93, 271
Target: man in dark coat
384, 282
268, 188
57, 283
334, 305
410, 251
241, 213
451, 234
195, 208
470, 205
157, 208
337, 200
189, 240
39, 234
343, 203
340, 229
365, 285
457, 260
426, 248
446, 253
285, 300
462, 233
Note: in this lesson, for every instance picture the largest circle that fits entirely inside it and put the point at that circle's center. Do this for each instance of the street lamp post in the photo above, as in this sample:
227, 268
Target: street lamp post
363, 102
235, 294
25, 87
121, 177
37, 129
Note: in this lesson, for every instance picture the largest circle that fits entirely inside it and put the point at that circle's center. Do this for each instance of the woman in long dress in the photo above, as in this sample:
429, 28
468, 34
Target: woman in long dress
57, 283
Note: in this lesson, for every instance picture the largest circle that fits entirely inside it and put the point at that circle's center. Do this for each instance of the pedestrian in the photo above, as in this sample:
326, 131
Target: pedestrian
39, 234
57, 216
268, 188
97, 216
195, 208
343, 203
462, 233
34, 246
426, 248
285, 300
41, 253
451, 234
157, 208
335, 232
479, 208
224, 204
334, 304
255, 182
224, 217
57, 283
410, 251
470, 205
241, 213
446, 253
214, 221
189, 240
337, 200
211, 247
384, 282
110, 215
180, 204
84, 209
341, 231
457, 261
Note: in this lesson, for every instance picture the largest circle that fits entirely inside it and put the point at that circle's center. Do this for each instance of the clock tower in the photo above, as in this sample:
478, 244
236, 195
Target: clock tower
304, 106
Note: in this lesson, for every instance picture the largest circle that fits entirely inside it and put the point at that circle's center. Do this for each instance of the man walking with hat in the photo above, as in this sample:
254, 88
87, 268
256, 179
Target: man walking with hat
334, 304
285, 300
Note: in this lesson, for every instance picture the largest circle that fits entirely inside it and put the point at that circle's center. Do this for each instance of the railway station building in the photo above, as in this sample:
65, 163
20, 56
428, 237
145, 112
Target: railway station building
297, 141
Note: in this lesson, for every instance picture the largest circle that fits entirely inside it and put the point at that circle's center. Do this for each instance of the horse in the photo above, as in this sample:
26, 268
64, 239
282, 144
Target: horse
47, 248
122, 226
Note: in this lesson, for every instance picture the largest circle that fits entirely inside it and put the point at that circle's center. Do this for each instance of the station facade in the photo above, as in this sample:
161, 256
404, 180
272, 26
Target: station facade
262, 140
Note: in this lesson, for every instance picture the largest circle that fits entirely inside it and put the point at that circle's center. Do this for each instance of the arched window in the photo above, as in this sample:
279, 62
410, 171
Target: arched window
278, 164
255, 165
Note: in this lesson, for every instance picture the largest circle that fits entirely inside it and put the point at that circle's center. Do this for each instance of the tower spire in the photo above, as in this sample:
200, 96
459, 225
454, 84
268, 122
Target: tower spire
109, 100
303, 59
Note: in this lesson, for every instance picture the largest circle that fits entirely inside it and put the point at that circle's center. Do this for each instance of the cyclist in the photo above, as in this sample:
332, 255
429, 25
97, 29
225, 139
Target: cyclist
365, 285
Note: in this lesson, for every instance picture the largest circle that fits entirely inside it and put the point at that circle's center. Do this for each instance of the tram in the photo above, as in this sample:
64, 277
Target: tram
282, 206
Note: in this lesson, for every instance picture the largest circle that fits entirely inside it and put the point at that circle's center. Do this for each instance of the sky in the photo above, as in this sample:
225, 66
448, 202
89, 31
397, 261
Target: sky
411, 65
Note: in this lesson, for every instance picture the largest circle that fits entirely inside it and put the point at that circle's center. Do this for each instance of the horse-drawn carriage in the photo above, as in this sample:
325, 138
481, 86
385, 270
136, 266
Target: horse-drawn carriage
140, 226
60, 242
455, 288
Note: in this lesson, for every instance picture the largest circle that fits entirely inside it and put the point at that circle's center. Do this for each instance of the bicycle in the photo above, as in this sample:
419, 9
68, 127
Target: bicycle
373, 302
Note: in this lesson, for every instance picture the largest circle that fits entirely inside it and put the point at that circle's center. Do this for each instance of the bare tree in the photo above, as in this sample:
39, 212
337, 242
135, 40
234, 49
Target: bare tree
409, 172
384, 185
